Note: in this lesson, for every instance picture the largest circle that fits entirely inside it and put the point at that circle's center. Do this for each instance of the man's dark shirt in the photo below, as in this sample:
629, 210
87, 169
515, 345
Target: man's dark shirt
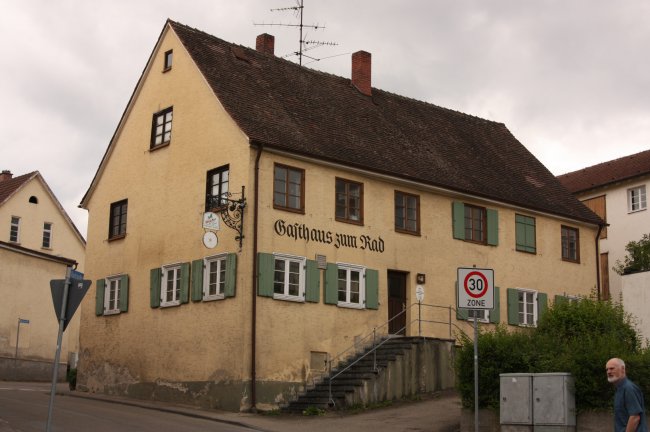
628, 401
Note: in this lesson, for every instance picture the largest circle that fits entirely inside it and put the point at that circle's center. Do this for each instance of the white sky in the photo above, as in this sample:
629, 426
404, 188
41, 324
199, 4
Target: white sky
569, 78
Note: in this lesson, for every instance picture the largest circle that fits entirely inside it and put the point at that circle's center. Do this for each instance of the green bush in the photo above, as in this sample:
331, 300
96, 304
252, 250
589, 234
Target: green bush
575, 337
637, 258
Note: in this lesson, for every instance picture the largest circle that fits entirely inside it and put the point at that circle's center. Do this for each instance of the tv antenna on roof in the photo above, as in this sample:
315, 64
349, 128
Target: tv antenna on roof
303, 45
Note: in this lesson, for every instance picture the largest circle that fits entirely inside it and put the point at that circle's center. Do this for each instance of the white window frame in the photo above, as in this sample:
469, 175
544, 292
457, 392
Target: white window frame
47, 229
641, 202
220, 261
15, 226
349, 268
481, 315
176, 285
287, 259
534, 302
113, 285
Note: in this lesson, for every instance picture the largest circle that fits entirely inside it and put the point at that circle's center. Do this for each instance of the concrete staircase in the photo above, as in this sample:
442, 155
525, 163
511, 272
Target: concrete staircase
404, 366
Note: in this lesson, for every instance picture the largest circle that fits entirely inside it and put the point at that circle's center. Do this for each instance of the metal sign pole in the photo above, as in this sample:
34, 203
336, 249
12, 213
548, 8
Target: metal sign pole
475, 374
17, 338
57, 356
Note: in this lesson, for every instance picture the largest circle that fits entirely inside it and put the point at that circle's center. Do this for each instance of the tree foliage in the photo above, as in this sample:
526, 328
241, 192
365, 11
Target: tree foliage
576, 337
637, 258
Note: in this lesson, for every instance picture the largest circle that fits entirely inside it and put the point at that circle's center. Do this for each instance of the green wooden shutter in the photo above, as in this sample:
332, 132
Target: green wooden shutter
231, 275
458, 219
332, 284
560, 299
312, 291
197, 280
372, 289
124, 293
492, 227
495, 314
185, 282
99, 296
520, 233
513, 306
155, 275
461, 314
265, 270
542, 305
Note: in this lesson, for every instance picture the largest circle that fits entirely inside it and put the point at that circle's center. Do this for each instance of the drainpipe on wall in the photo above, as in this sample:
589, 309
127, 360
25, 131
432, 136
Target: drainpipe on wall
598, 287
254, 284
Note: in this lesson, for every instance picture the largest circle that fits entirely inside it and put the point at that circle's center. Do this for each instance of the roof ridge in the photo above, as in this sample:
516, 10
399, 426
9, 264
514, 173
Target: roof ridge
602, 164
332, 75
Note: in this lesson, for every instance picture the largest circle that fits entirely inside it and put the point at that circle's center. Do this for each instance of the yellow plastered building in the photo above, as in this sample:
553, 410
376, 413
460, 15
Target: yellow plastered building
252, 219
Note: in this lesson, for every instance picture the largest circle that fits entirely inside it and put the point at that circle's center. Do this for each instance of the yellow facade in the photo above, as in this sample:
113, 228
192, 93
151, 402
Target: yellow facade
202, 350
25, 274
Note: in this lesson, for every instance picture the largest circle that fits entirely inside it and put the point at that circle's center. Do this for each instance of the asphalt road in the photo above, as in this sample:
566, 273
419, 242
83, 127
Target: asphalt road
24, 407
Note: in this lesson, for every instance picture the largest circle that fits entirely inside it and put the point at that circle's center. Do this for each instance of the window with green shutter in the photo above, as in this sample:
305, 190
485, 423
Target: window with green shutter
525, 307
288, 277
475, 224
99, 297
112, 295
351, 286
525, 234
155, 275
214, 277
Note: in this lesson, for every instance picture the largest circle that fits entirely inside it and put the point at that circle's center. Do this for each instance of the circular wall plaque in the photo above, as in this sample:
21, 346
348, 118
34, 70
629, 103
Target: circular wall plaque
210, 240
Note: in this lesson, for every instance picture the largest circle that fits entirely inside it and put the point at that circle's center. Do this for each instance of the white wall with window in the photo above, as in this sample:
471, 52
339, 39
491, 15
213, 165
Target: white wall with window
628, 218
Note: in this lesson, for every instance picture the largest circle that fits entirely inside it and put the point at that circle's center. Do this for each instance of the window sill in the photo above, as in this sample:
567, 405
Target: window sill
350, 221
289, 209
112, 312
527, 252
159, 146
117, 237
636, 211
167, 69
295, 299
350, 305
213, 297
170, 304
403, 231
571, 260
46, 248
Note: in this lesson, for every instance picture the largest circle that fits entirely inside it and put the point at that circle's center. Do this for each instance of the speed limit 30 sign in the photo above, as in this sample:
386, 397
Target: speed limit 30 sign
475, 288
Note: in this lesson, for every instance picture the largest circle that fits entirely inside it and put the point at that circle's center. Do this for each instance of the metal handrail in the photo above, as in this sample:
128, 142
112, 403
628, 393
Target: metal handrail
375, 345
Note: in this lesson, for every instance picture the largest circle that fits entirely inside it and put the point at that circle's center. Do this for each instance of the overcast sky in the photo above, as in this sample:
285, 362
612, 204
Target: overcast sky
569, 78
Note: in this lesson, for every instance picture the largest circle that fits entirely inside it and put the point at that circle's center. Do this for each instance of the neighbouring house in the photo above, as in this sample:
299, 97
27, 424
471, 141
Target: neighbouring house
616, 191
252, 218
38, 241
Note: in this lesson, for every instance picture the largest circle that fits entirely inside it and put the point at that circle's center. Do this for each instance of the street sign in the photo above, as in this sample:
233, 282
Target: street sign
76, 293
475, 288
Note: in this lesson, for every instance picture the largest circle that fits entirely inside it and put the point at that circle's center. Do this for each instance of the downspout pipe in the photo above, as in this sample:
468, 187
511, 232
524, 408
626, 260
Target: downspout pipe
598, 287
254, 280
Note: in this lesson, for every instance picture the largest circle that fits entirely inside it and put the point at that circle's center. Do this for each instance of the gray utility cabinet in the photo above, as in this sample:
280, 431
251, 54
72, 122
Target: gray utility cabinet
543, 401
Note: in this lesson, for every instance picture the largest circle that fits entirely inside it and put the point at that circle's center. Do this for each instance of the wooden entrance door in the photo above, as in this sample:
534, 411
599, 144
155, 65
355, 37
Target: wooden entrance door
397, 302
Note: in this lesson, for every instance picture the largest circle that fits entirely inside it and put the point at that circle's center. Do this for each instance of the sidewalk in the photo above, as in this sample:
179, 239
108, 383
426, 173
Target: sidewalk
438, 412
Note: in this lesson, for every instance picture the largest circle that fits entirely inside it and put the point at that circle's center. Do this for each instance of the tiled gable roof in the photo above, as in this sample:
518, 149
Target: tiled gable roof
606, 173
8, 187
282, 105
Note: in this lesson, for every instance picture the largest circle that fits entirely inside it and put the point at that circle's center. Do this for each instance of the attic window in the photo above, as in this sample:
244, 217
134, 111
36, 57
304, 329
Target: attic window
169, 55
33, 199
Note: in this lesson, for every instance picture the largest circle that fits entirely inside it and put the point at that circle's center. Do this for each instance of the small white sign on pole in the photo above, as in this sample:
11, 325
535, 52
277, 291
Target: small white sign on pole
475, 288
419, 293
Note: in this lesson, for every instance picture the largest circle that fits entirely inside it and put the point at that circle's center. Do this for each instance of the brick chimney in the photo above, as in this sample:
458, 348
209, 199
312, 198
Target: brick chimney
361, 72
265, 43
6, 175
